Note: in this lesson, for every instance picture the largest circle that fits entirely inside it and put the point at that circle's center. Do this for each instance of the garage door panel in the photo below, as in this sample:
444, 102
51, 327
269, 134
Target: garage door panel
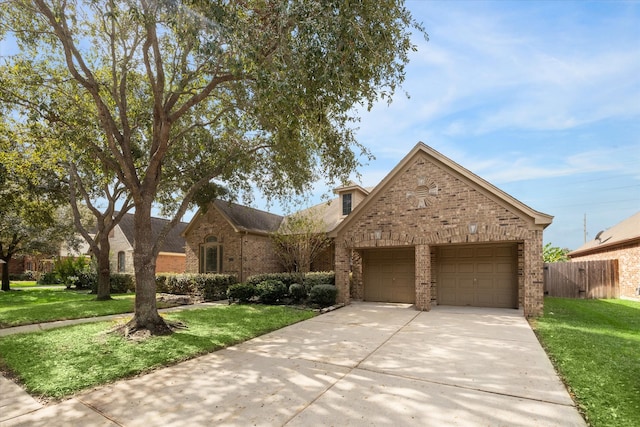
477, 275
389, 275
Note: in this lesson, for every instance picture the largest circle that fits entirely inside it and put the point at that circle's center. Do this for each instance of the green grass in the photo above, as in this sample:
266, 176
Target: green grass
23, 284
33, 305
595, 346
60, 362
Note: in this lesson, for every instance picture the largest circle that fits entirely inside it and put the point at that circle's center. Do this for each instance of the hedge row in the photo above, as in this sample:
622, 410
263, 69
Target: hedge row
209, 287
309, 280
281, 288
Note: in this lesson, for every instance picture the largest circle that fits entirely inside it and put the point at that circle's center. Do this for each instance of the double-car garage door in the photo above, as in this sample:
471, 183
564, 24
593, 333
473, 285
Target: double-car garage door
473, 275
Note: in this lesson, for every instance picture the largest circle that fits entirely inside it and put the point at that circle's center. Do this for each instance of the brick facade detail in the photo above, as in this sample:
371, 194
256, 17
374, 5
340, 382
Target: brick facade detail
244, 254
427, 204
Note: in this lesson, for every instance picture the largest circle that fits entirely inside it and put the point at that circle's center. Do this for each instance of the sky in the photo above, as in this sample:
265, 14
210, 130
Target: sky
540, 98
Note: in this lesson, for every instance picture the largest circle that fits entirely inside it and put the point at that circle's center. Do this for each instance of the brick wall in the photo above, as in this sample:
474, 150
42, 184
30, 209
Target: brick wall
428, 204
628, 257
243, 254
170, 263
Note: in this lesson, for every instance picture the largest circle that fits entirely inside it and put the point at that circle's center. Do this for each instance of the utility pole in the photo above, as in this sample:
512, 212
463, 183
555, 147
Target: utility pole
585, 228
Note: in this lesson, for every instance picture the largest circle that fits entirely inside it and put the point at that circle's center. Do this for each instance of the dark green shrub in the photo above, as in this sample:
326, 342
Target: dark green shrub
49, 279
209, 287
161, 283
121, 283
87, 280
287, 278
271, 291
242, 292
213, 287
319, 278
323, 295
297, 292
181, 284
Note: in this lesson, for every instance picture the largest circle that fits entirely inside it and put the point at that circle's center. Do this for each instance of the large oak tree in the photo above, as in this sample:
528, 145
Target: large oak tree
254, 93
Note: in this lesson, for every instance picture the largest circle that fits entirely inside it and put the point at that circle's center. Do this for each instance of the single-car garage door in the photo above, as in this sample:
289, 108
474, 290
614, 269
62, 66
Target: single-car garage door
477, 275
389, 275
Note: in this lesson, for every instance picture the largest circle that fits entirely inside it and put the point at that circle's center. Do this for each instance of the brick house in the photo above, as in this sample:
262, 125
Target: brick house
232, 239
430, 233
620, 242
171, 259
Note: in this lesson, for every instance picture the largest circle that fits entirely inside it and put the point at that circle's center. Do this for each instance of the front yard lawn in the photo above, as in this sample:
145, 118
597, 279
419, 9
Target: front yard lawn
60, 362
32, 305
595, 347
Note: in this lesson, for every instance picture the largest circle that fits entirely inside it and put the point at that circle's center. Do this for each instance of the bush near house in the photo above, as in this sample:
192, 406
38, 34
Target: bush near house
209, 287
271, 291
323, 295
315, 288
242, 292
287, 278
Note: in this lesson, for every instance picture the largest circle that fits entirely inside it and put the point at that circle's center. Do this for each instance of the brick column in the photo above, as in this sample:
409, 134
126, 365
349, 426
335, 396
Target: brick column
534, 287
423, 277
342, 268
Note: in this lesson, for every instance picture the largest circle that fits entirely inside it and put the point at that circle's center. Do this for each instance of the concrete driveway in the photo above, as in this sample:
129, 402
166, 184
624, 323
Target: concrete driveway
364, 364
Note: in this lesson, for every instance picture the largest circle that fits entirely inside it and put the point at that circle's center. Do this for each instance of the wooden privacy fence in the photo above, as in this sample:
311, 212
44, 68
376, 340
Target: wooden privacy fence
582, 279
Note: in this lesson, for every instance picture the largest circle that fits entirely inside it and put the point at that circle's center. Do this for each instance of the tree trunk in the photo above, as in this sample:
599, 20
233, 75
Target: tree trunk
146, 312
104, 270
5, 275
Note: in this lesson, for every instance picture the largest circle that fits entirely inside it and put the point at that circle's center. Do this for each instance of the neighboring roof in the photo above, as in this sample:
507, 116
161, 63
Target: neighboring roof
623, 232
244, 218
174, 241
538, 218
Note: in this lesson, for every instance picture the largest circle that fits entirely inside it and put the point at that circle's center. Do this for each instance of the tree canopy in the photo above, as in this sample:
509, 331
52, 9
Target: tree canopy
177, 95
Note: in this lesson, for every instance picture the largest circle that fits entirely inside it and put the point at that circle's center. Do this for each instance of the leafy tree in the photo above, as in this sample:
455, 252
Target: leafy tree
31, 220
554, 253
299, 241
255, 93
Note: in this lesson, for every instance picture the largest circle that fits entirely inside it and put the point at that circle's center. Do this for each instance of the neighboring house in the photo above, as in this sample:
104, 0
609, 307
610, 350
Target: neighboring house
430, 233
620, 242
171, 258
232, 239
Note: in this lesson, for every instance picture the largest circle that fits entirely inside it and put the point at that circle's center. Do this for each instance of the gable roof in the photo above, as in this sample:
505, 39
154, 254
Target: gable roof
242, 218
623, 232
489, 189
174, 241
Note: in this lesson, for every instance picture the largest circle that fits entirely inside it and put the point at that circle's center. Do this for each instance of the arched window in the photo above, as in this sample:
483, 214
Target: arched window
121, 261
211, 255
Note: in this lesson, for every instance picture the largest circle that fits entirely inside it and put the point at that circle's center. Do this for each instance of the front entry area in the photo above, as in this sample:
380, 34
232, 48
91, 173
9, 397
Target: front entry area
389, 275
477, 275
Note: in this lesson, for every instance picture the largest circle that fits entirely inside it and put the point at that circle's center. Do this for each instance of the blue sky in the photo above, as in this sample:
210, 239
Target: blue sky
540, 98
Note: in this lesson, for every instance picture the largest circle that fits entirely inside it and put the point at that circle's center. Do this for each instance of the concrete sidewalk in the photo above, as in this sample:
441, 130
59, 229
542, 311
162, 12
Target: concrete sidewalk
365, 364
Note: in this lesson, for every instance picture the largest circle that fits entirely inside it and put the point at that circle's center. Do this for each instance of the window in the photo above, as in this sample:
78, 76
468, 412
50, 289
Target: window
121, 266
346, 204
211, 256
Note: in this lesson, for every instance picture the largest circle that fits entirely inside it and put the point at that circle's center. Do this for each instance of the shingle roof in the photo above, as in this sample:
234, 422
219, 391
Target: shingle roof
244, 218
174, 241
622, 232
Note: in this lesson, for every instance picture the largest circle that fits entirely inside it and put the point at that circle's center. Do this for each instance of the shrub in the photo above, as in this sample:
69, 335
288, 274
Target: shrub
287, 278
297, 292
323, 295
49, 279
210, 287
242, 292
271, 291
319, 278
122, 283
161, 283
